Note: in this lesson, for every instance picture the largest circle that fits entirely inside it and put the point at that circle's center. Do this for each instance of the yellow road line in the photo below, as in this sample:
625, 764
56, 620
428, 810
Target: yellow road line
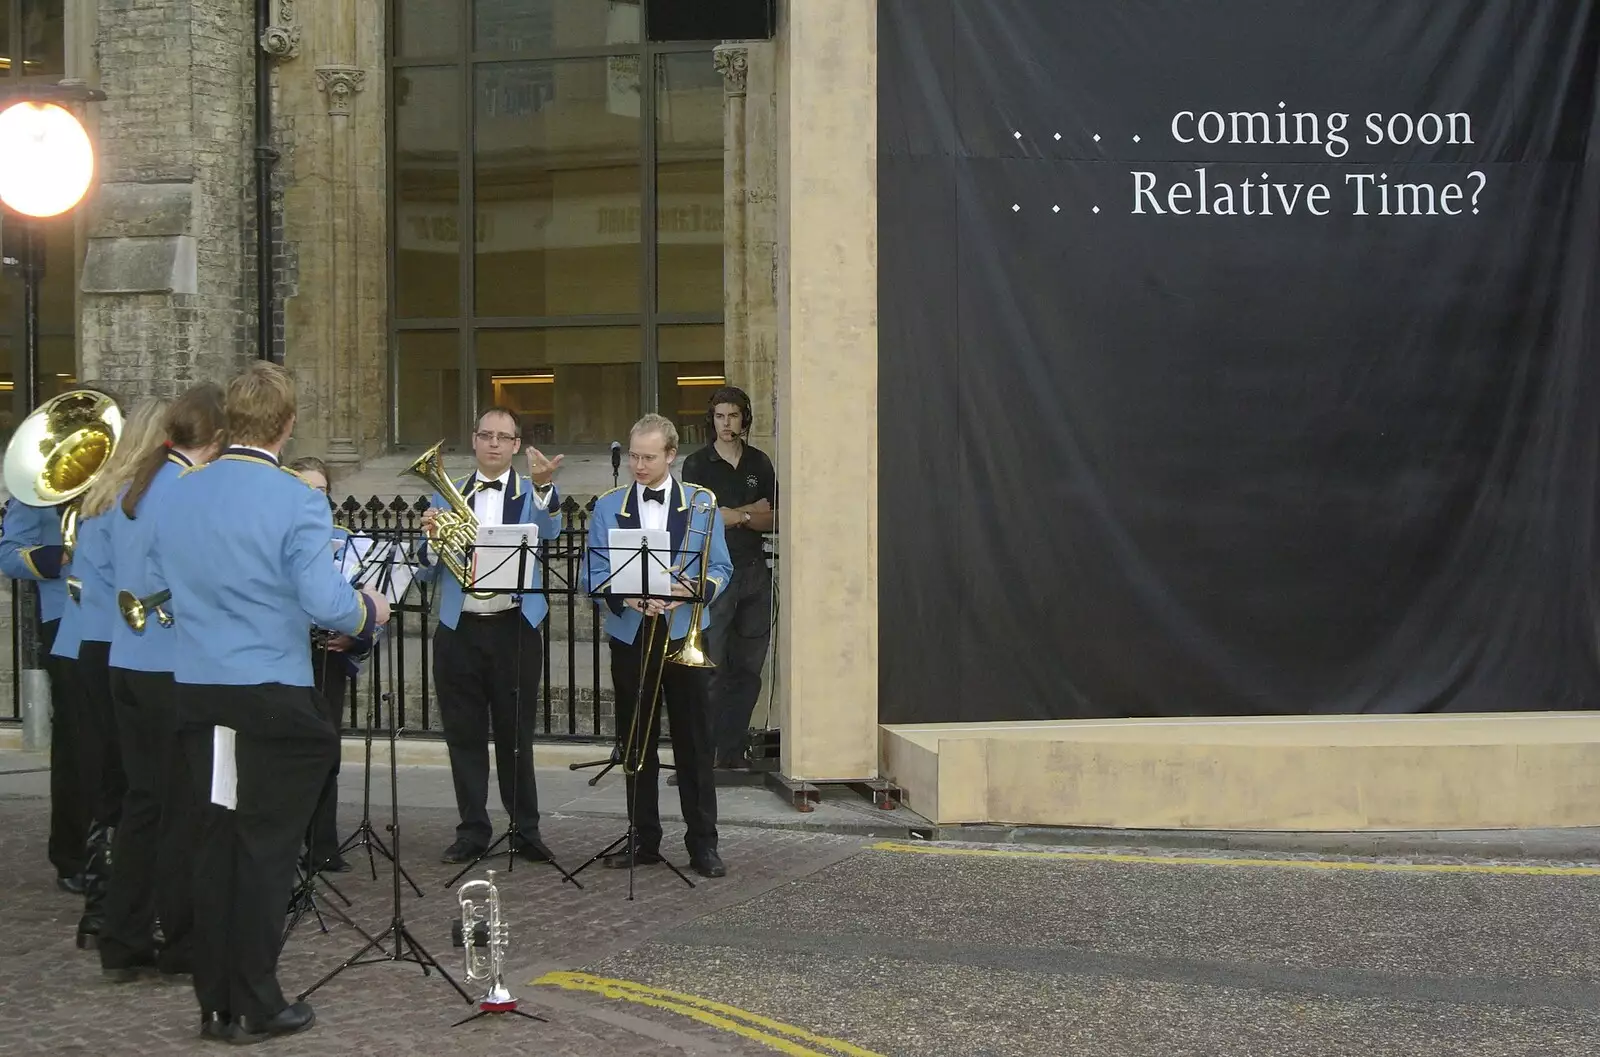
1291, 864
785, 1038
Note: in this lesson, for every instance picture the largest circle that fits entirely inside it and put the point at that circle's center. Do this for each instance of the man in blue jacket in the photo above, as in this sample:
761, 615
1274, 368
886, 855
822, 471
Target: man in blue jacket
657, 500
487, 652
31, 549
242, 545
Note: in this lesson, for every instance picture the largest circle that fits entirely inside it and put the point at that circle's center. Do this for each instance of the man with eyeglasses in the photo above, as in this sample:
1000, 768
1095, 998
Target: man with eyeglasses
478, 644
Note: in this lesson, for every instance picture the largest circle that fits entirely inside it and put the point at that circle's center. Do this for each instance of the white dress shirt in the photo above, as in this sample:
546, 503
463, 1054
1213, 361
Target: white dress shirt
653, 515
489, 507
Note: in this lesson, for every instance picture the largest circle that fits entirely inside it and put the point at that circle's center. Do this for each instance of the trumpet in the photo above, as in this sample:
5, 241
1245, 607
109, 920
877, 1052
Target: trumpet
59, 450
485, 936
135, 611
455, 530
690, 654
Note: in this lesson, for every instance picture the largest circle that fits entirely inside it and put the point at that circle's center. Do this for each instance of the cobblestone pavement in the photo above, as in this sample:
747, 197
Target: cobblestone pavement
54, 1001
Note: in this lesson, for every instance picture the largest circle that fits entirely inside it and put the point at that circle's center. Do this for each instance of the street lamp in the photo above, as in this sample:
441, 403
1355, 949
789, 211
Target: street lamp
46, 166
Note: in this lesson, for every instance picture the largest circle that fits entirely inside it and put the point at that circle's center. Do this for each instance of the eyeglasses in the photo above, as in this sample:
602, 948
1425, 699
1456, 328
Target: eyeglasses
488, 438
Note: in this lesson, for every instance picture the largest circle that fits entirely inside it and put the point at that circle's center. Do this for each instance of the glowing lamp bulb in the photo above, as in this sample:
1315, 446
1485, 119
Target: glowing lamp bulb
46, 160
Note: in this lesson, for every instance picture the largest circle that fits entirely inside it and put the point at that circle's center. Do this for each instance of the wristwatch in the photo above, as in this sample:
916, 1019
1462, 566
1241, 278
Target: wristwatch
746, 517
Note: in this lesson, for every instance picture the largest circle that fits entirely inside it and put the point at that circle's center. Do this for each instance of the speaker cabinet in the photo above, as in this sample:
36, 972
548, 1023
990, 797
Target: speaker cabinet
710, 19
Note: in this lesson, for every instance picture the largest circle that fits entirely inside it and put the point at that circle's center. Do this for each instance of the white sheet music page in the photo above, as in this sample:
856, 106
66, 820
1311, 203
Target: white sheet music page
224, 768
630, 574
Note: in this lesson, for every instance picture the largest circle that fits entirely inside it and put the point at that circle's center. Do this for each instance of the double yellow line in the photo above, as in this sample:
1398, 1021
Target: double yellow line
785, 1038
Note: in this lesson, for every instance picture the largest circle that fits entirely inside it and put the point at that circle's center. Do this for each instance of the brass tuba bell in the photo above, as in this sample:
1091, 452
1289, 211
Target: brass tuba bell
455, 530
59, 449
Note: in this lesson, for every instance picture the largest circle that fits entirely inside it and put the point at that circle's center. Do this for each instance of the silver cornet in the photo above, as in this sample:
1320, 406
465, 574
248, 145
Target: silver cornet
486, 936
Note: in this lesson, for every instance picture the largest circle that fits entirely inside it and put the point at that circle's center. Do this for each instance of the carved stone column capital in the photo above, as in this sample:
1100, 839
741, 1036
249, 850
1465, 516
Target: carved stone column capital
341, 83
733, 62
282, 38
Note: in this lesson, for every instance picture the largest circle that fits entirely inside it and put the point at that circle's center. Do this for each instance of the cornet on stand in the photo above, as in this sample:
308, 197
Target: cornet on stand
486, 937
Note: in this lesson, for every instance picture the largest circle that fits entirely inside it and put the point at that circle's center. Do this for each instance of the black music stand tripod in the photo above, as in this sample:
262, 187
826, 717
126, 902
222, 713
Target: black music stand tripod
653, 655
527, 560
406, 947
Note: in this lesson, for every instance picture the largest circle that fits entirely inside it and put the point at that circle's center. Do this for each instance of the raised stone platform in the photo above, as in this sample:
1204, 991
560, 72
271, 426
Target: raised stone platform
1301, 773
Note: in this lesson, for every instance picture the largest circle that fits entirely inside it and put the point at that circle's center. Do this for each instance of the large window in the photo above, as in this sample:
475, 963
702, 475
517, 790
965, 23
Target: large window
587, 166
33, 50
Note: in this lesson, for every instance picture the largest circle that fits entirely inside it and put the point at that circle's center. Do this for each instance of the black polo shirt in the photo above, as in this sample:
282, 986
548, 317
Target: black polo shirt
735, 486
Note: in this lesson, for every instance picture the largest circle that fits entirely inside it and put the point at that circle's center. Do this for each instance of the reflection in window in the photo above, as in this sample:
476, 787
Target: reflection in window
428, 388
688, 183
550, 25
44, 38
570, 385
427, 191
557, 180
425, 28
690, 371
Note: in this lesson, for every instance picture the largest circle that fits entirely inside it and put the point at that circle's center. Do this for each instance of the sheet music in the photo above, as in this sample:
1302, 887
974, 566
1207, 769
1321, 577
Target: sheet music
352, 554
388, 570
224, 768
498, 557
630, 575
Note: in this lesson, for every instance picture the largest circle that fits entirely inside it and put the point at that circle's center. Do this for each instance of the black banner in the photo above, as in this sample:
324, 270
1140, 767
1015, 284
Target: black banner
1238, 357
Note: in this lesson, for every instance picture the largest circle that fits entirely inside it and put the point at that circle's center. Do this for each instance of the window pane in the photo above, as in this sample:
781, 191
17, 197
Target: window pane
690, 371
5, 46
8, 398
44, 38
58, 312
688, 183
546, 25
427, 185
58, 364
428, 388
557, 163
426, 27
571, 385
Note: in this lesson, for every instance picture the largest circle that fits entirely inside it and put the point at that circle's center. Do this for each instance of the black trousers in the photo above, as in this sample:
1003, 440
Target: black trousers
476, 673
333, 687
99, 748
69, 800
684, 691
154, 847
736, 641
245, 867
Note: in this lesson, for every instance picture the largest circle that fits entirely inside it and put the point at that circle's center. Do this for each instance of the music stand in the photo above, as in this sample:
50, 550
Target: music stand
406, 947
630, 768
364, 836
524, 558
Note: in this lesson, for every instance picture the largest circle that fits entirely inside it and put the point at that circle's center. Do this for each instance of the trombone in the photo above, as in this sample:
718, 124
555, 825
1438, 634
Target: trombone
691, 654
59, 450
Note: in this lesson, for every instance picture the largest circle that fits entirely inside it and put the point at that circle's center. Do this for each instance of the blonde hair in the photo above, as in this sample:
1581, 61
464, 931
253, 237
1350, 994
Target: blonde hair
260, 404
654, 423
142, 432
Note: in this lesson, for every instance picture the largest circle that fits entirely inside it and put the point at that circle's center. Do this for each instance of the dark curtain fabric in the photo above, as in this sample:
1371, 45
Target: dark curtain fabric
1165, 464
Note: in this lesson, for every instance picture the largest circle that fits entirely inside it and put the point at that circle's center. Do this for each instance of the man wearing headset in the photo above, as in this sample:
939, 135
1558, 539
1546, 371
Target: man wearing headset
746, 487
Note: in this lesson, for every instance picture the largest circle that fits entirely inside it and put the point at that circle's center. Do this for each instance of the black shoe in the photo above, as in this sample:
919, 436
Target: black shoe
707, 864
641, 857
127, 973
333, 864
461, 851
73, 884
287, 1021
531, 848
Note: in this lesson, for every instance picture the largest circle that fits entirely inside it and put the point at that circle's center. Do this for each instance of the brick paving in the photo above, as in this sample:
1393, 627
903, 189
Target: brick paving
54, 1001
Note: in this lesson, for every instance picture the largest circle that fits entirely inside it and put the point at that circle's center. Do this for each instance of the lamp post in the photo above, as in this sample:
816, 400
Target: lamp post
46, 166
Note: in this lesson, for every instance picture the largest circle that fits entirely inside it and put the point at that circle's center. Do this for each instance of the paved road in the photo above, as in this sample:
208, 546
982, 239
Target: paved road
838, 945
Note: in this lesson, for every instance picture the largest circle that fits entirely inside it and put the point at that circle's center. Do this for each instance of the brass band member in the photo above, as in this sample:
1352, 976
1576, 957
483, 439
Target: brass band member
154, 846
242, 545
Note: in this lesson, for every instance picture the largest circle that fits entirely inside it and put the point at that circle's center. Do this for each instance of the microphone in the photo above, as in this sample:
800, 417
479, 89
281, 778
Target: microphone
616, 459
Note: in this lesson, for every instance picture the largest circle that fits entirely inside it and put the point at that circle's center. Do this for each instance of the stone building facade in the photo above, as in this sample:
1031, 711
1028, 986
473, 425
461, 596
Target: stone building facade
164, 256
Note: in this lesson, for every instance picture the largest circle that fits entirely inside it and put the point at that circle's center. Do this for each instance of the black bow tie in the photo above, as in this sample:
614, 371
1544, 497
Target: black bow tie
655, 495
496, 485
